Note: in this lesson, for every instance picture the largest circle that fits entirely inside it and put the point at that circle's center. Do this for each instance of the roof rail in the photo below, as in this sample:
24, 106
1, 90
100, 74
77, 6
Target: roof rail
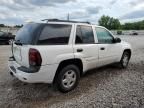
57, 20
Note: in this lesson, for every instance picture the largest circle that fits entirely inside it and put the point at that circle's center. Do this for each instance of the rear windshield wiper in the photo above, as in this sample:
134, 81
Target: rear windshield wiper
18, 42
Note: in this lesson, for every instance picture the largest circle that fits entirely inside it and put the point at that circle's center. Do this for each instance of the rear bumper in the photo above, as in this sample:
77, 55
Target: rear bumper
44, 75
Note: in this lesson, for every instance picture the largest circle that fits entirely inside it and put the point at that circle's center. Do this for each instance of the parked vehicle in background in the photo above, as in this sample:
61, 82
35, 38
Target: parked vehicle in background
5, 37
60, 52
119, 32
133, 33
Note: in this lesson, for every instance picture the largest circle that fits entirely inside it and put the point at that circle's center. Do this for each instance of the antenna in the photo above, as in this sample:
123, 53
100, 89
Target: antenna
68, 17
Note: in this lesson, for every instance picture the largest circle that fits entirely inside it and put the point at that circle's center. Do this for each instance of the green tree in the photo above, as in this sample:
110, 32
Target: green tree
133, 26
18, 26
104, 21
109, 22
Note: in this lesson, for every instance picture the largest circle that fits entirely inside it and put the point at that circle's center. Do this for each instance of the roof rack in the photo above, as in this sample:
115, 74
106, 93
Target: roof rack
57, 20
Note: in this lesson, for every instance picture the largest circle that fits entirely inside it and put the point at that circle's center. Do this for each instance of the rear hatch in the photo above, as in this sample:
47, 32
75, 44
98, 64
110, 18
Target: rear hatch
25, 37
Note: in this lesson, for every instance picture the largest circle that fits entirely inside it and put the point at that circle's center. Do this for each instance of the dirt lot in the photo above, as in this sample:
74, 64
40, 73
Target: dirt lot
108, 87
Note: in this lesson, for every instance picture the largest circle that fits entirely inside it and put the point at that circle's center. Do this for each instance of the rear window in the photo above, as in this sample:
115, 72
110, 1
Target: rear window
25, 34
55, 34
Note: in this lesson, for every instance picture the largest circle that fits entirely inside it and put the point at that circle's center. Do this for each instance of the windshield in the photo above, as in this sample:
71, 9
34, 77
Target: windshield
25, 34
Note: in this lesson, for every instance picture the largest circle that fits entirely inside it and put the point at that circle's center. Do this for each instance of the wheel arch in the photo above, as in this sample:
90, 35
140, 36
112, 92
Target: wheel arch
75, 61
128, 50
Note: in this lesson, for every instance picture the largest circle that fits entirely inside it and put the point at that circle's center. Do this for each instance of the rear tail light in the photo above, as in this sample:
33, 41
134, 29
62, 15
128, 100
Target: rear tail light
34, 57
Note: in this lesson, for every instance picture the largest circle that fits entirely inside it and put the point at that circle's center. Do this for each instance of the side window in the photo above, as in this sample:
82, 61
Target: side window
84, 35
104, 36
55, 34
78, 35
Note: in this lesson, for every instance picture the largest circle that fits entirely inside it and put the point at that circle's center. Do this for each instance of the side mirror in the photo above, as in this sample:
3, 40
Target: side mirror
117, 40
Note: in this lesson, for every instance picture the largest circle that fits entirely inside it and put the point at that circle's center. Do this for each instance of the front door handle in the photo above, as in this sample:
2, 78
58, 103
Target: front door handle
102, 48
79, 50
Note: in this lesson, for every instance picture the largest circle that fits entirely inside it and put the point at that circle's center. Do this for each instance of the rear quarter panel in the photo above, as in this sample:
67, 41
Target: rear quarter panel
54, 54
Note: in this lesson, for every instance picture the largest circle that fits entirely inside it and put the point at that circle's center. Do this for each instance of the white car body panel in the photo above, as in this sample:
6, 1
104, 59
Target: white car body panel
45, 74
21, 54
53, 55
89, 56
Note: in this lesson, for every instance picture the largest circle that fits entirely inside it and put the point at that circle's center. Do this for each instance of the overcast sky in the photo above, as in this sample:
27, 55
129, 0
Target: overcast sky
21, 11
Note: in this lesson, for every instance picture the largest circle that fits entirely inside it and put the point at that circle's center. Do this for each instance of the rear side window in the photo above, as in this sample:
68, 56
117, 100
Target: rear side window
25, 34
55, 34
84, 35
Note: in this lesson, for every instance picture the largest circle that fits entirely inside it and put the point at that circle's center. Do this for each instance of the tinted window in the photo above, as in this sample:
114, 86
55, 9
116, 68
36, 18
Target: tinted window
79, 35
84, 34
55, 34
25, 34
104, 36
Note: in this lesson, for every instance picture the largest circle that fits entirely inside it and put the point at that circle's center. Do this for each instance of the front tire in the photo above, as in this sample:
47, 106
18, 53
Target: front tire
125, 60
68, 78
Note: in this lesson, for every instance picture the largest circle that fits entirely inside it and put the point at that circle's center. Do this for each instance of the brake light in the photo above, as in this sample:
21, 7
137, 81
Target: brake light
34, 57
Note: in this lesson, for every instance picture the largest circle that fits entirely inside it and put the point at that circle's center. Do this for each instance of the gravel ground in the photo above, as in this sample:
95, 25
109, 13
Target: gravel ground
106, 87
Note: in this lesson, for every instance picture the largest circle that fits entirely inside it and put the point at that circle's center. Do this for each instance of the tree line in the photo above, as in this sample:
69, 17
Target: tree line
16, 26
114, 24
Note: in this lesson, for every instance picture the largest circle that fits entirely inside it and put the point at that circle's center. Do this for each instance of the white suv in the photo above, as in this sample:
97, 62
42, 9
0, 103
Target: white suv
60, 52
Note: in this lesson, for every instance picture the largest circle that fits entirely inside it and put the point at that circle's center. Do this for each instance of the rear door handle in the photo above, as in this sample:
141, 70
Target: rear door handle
102, 48
79, 50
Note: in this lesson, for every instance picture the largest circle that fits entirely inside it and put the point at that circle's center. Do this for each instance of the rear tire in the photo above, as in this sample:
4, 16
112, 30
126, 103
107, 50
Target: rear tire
68, 78
125, 60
